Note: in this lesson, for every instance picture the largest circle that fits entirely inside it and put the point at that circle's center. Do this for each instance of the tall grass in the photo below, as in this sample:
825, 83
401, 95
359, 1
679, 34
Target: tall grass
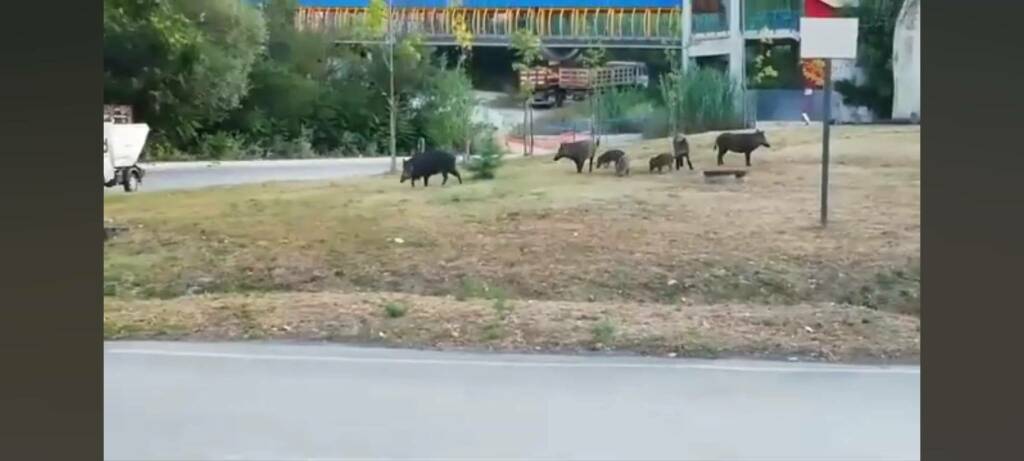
703, 99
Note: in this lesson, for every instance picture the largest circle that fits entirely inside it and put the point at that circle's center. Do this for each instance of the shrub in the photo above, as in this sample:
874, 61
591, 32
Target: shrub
488, 158
704, 99
395, 310
219, 146
604, 332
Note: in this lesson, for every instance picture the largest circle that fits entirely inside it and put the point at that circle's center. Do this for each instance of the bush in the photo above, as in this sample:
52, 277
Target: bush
603, 332
705, 100
488, 157
395, 310
219, 146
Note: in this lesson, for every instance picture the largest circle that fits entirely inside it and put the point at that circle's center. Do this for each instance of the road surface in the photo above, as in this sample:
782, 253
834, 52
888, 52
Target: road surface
251, 401
195, 175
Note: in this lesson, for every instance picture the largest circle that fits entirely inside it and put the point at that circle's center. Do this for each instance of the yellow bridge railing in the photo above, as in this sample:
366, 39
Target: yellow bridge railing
612, 24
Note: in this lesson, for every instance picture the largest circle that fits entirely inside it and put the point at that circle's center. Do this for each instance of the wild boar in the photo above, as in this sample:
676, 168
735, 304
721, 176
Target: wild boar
622, 166
428, 163
660, 161
744, 143
579, 152
681, 151
609, 158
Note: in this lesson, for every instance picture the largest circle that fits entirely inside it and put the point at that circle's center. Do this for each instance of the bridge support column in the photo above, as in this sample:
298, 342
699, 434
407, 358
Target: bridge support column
737, 45
687, 34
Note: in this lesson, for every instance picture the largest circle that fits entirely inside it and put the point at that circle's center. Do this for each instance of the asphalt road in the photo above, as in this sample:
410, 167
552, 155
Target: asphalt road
195, 175
318, 402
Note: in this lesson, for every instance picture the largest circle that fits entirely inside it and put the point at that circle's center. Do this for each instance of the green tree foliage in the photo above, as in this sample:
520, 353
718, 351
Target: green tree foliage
489, 157
449, 109
526, 46
222, 78
877, 24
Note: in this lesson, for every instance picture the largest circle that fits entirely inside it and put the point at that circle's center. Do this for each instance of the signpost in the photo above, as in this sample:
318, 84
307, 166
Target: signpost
828, 39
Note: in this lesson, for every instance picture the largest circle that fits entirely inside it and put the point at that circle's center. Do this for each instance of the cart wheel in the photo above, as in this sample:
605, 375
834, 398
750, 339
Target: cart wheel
131, 183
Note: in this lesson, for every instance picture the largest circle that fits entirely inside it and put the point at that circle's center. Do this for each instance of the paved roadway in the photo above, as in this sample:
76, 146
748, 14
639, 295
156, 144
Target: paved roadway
194, 175
189, 401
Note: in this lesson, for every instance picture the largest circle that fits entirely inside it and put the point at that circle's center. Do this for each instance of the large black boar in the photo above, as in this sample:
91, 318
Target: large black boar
660, 161
609, 158
579, 152
744, 143
681, 151
428, 163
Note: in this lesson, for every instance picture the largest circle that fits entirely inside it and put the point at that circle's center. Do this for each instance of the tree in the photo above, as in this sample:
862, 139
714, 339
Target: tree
182, 65
461, 102
877, 25
526, 45
489, 157
449, 109
460, 28
593, 58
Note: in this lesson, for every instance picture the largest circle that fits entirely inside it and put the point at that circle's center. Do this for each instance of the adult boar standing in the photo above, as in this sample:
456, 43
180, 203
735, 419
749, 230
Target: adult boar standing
428, 163
744, 143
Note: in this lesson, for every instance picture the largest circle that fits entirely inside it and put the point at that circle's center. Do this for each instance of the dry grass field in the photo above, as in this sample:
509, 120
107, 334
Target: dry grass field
546, 258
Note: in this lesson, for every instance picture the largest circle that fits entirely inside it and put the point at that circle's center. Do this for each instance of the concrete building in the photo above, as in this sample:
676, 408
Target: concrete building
906, 62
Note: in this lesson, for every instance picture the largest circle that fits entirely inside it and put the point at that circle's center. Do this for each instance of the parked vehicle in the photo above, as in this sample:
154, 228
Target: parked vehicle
122, 144
552, 86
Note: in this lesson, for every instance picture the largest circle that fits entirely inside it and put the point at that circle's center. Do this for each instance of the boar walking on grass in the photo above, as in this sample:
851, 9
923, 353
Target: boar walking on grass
579, 152
609, 158
428, 163
744, 143
622, 166
681, 151
661, 161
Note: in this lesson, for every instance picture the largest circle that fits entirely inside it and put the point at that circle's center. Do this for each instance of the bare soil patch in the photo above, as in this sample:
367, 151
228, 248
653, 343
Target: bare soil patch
810, 332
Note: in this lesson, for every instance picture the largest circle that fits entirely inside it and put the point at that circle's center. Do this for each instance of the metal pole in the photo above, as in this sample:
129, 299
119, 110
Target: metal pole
393, 144
826, 122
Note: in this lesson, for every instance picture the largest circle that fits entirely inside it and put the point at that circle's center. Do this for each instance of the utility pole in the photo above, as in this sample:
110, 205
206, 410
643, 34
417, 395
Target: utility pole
392, 142
826, 121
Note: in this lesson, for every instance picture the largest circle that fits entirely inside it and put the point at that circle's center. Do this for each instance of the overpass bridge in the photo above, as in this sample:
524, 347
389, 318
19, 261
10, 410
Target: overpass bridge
572, 23
718, 28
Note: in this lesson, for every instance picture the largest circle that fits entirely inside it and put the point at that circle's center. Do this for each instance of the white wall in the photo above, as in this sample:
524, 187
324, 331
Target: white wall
906, 62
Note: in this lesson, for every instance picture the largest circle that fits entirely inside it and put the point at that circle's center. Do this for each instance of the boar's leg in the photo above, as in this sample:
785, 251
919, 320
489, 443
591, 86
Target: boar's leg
579, 165
444, 178
455, 173
747, 154
721, 155
426, 181
687, 157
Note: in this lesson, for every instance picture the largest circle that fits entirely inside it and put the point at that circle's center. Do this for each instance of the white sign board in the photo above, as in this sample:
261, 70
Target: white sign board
828, 38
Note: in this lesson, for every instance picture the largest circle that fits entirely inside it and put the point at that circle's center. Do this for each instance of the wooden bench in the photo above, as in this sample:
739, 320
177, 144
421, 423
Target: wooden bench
715, 174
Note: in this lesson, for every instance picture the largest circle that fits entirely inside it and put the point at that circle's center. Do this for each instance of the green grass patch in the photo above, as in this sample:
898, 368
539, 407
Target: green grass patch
395, 309
603, 332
